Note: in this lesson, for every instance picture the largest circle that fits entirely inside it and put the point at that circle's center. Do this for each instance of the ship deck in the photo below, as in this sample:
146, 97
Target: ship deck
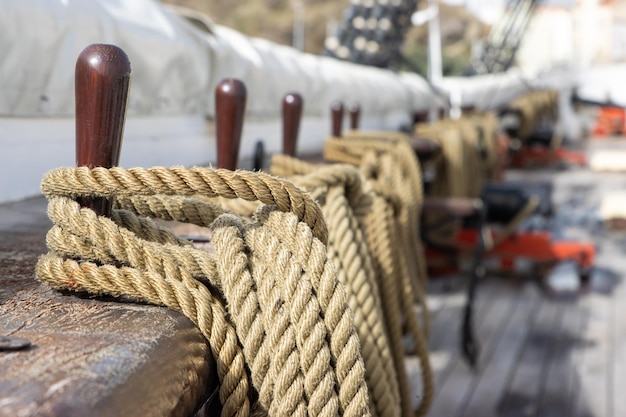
543, 352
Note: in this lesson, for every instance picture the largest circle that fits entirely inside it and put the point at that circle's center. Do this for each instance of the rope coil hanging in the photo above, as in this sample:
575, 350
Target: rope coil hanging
346, 203
392, 231
469, 158
268, 300
532, 108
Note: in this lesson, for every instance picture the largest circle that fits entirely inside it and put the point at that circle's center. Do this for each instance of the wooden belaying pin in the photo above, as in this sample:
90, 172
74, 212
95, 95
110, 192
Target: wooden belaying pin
336, 111
230, 107
292, 113
355, 116
102, 81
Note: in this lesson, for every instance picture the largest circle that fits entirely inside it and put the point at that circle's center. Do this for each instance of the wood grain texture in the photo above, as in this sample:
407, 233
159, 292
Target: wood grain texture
89, 356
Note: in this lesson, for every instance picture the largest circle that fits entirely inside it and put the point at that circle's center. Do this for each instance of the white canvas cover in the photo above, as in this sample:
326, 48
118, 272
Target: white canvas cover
603, 84
485, 91
175, 64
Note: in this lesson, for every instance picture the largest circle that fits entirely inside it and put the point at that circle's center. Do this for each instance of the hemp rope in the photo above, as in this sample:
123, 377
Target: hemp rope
462, 171
345, 202
268, 301
392, 231
533, 107
403, 177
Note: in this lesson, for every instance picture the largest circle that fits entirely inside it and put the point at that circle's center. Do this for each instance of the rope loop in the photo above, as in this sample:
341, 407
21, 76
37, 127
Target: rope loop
267, 297
178, 180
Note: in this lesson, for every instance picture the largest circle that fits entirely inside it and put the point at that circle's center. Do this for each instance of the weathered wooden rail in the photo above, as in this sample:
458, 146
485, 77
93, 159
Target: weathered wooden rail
69, 355
88, 356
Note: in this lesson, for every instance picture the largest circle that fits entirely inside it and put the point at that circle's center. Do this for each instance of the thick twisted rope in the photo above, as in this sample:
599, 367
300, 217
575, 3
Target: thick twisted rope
85, 182
532, 108
392, 231
399, 181
268, 300
346, 203
470, 158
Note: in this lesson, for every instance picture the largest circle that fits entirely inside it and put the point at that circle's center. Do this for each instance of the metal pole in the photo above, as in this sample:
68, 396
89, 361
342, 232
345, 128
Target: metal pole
298, 24
435, 72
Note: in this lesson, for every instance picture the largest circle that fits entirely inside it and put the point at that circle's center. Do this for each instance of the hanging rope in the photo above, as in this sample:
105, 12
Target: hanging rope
392, 232
346, 203
533, 108
268, 300
471, 155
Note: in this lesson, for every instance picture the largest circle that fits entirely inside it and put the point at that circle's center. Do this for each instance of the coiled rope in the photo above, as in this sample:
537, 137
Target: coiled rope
346, 202
532, 108
268, 300
392, 231
470, 158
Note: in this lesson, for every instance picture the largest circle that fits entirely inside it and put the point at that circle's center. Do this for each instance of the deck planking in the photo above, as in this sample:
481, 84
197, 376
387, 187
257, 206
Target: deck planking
555, 354
504, 347
522, 393
559, 385
454, 382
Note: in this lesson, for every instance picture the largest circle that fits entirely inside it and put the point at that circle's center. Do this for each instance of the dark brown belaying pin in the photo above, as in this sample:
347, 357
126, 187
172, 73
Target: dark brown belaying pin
230, 107
336, 111
102, 82
292, 113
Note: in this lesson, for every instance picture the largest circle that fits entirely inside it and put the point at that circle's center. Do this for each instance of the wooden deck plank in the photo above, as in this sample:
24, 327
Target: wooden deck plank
593, 368
523, 392
618, 359
492, 379
445, 349
444, 332
89, 357
561, 381
457, 386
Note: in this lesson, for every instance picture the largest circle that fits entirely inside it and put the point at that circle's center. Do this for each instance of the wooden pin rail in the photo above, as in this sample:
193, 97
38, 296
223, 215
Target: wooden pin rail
82, 355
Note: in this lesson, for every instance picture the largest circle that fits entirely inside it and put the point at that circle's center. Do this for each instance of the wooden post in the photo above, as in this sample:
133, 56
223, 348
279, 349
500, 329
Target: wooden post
420, 117
230, 107
102, 81
466, 110
292, 112
355, 116
337, 118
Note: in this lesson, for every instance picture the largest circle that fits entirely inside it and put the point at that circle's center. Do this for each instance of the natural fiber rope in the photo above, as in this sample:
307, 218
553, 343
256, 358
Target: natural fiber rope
470, 158
533, 107
392, 231
113, 182
268, 301
346, 203
401, 181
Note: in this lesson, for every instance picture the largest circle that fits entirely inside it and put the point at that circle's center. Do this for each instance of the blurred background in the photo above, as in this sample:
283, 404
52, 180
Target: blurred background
579, 33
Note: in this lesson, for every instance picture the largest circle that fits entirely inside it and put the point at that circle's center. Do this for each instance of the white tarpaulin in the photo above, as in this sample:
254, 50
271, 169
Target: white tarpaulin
485, 91
603, 84
175, 64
